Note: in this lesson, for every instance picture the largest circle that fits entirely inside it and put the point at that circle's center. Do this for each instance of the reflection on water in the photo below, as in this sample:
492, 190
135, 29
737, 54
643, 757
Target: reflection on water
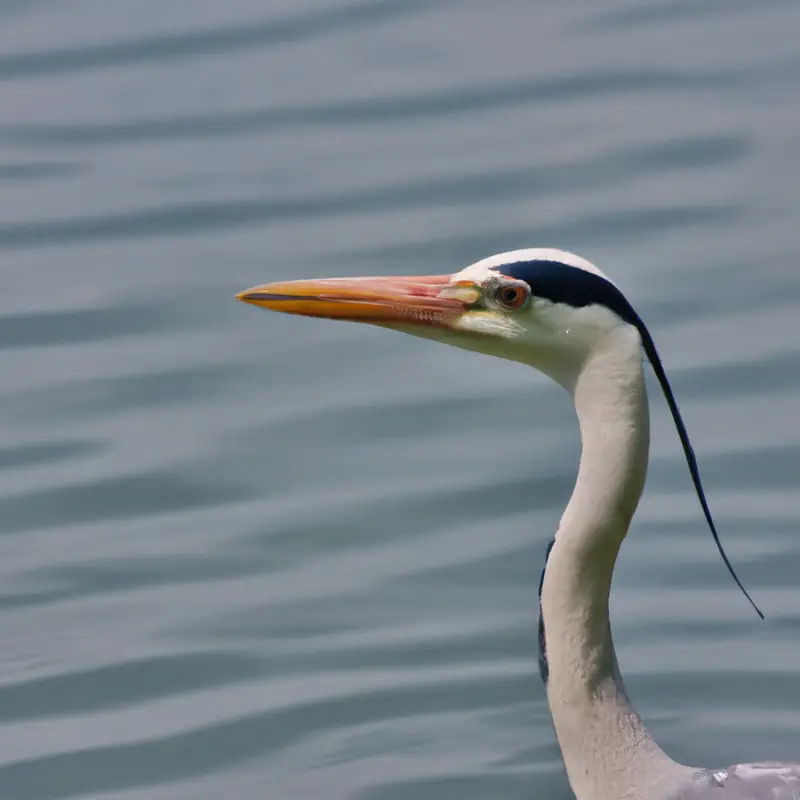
254, 556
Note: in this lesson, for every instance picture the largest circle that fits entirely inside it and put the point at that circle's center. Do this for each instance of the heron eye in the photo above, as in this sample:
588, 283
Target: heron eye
512, 295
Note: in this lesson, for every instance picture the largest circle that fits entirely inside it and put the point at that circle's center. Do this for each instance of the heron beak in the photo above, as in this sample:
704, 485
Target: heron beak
432, 300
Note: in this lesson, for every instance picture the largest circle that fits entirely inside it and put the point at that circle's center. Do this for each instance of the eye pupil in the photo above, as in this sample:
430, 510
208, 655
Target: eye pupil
510, 294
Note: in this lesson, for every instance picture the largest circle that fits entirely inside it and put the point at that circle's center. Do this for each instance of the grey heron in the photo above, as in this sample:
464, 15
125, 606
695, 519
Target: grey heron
560, 314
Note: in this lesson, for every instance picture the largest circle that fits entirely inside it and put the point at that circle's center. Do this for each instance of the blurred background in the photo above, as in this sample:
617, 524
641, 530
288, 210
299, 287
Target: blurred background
252, 556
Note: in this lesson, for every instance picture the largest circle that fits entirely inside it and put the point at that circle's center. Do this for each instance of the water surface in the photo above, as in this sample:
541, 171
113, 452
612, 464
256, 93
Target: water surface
253, 556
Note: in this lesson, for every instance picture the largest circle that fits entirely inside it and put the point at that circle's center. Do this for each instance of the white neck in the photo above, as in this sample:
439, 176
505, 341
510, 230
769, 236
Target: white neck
607, 751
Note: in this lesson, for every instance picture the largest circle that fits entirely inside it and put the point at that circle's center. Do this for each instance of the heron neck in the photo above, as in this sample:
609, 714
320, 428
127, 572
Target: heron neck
607, 751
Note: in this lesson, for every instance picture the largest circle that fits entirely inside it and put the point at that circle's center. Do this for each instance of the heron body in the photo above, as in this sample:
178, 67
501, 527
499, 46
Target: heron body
561, 315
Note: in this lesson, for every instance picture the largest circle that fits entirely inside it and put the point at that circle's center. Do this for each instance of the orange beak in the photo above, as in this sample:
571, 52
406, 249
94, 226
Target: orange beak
421, 300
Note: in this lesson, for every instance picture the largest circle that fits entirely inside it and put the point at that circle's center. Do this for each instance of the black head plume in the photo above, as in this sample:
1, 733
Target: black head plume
576, 287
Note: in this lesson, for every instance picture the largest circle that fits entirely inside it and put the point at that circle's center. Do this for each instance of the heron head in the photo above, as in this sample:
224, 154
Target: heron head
547, 308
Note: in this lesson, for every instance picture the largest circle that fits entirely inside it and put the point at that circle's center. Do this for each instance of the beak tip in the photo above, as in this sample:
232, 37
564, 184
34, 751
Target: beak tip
246, 296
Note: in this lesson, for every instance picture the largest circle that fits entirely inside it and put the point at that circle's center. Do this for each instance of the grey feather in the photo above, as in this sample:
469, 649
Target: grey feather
769, 780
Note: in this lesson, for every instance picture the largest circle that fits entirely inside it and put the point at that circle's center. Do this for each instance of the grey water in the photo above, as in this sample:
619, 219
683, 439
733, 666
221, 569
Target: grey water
244, 555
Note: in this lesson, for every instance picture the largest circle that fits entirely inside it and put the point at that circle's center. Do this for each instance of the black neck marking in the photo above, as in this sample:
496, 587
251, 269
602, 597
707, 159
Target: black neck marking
573, 286
544, 666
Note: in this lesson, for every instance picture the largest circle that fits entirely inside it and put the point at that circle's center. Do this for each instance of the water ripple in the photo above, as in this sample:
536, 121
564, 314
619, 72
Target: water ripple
109, 499
372, 110
194, 44
200, 218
